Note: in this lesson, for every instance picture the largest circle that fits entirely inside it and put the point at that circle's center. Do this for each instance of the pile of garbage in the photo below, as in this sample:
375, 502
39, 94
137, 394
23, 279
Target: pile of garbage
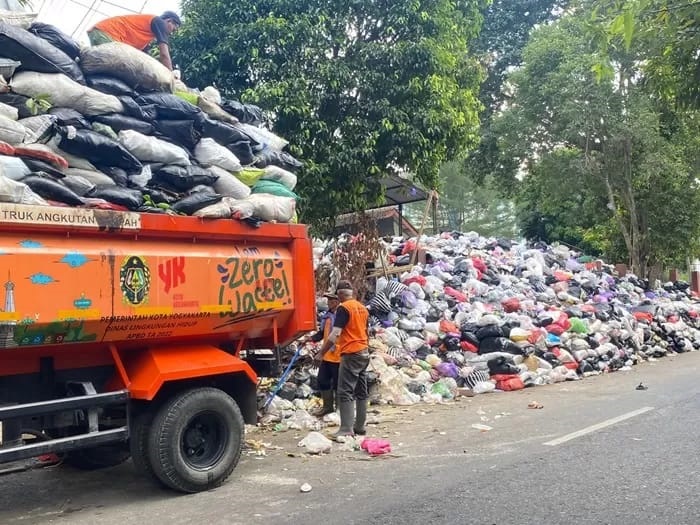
481, 315
110, 127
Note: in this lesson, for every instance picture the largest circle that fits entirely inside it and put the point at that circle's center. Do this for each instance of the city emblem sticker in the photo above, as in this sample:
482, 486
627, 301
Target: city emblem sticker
135, 280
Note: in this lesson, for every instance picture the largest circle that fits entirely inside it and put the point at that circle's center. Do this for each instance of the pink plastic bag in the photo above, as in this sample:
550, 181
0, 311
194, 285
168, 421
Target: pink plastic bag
376, 446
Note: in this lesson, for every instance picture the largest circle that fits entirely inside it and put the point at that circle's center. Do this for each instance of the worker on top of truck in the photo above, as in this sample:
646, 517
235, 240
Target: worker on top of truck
138, 31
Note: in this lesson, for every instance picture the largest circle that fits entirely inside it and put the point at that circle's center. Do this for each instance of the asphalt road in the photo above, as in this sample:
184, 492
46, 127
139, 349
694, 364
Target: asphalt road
599, 452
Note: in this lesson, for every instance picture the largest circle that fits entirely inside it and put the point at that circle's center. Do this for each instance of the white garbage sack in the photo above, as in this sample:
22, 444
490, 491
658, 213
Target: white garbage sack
209, 153
151, 149
93, 176
228, 185
13, 132
61, 91
18, 193
219, 210
284, 177
267, 207
13, 167
141, 71
8, 112
264, 136
17, 18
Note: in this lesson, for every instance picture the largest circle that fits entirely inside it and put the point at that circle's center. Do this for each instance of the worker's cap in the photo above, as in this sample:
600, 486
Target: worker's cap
330, 296
343, 285
172, 15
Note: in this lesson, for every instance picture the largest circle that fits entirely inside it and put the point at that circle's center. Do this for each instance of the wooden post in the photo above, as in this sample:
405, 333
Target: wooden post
432, 195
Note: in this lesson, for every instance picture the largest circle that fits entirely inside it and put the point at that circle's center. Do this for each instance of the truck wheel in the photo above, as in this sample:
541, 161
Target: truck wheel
96, 457
139, 430
196, 439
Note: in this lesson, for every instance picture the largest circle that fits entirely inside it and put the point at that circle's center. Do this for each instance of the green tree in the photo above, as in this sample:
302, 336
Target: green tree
590, 143
359, 88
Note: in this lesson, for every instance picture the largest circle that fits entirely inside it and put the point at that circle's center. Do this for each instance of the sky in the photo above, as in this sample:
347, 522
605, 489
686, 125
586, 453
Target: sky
75, 17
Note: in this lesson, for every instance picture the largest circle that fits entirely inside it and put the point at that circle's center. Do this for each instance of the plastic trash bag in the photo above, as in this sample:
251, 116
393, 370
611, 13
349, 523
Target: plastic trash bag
69, 117
110, 85
104, 129
181, 132
80, 185
215, 111
194, 202
316, 443
282, 176
14, 132
169, 106
219, 210
36, 54
52, 190
264, 136
228, 184
13, 168
41, 127
273, 188
120, 122
282, 159
265, 207
64, 92
209, 153
56, 38
151, 149
302, 420
224, 133
181, 179
8, 111
19, 102
147, 113
376, 446
18, 192
246, 113
243, 150
139, 70
129, 198
100, 150
250, 176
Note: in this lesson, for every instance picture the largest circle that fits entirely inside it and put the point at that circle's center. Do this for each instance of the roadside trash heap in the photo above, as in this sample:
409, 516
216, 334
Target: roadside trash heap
109, 127
487, 315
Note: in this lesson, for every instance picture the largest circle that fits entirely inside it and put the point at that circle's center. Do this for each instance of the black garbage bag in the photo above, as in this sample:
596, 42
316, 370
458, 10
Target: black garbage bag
182, 179
225, 134
110, 85
119, 122
127, 197
242, 151
52, 190
196, 201
169, 106
246, 113
492, 344
133, 109
19, 102
98, 149
269, 157
36, 166
159, 196
118, 175
502, 365
69, 117
491, 330
36, 54
56, 38
183, 133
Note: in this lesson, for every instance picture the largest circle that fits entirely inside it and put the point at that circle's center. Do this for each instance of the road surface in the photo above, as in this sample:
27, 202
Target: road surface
598, 452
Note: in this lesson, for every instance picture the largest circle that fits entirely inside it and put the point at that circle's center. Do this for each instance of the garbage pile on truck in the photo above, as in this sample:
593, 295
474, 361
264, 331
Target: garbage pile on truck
483, 315
109, 127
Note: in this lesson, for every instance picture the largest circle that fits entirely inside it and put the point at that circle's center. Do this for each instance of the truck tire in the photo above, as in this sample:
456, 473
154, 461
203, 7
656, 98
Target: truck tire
139, 430
97, 457
196, 439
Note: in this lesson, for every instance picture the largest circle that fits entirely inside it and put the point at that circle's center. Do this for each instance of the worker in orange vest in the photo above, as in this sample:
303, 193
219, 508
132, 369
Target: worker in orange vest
330, 361
138, 31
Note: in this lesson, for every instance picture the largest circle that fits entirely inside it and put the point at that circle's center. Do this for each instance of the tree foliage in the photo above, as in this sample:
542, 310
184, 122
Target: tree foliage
603, 160
359, 88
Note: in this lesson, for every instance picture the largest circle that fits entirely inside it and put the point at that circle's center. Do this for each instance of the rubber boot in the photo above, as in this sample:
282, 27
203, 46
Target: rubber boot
327, 408
347, 418
360, 417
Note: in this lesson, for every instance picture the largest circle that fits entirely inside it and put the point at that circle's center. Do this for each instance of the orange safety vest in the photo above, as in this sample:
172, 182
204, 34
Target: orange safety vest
353, 338
134, 30
332, 356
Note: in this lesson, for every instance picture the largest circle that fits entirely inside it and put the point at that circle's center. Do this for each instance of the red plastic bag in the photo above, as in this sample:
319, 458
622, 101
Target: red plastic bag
456, 294
508, 382
511, 305
6, 149
479, 264
46, 156
376, 446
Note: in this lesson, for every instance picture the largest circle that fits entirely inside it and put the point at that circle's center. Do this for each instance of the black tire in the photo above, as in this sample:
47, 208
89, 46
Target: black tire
196, 440
96, 458
139, 429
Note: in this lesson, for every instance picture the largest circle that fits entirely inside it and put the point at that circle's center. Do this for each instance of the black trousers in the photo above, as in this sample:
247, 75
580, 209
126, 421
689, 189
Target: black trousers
352, 378
328, 375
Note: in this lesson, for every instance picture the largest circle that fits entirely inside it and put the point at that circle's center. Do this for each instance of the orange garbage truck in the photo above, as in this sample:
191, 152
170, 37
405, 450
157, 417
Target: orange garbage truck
126, 334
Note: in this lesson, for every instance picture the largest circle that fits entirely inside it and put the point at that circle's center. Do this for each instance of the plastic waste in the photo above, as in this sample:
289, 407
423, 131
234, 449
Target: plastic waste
316, 443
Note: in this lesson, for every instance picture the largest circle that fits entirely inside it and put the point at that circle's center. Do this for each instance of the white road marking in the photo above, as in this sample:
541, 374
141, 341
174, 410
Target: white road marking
597, 426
